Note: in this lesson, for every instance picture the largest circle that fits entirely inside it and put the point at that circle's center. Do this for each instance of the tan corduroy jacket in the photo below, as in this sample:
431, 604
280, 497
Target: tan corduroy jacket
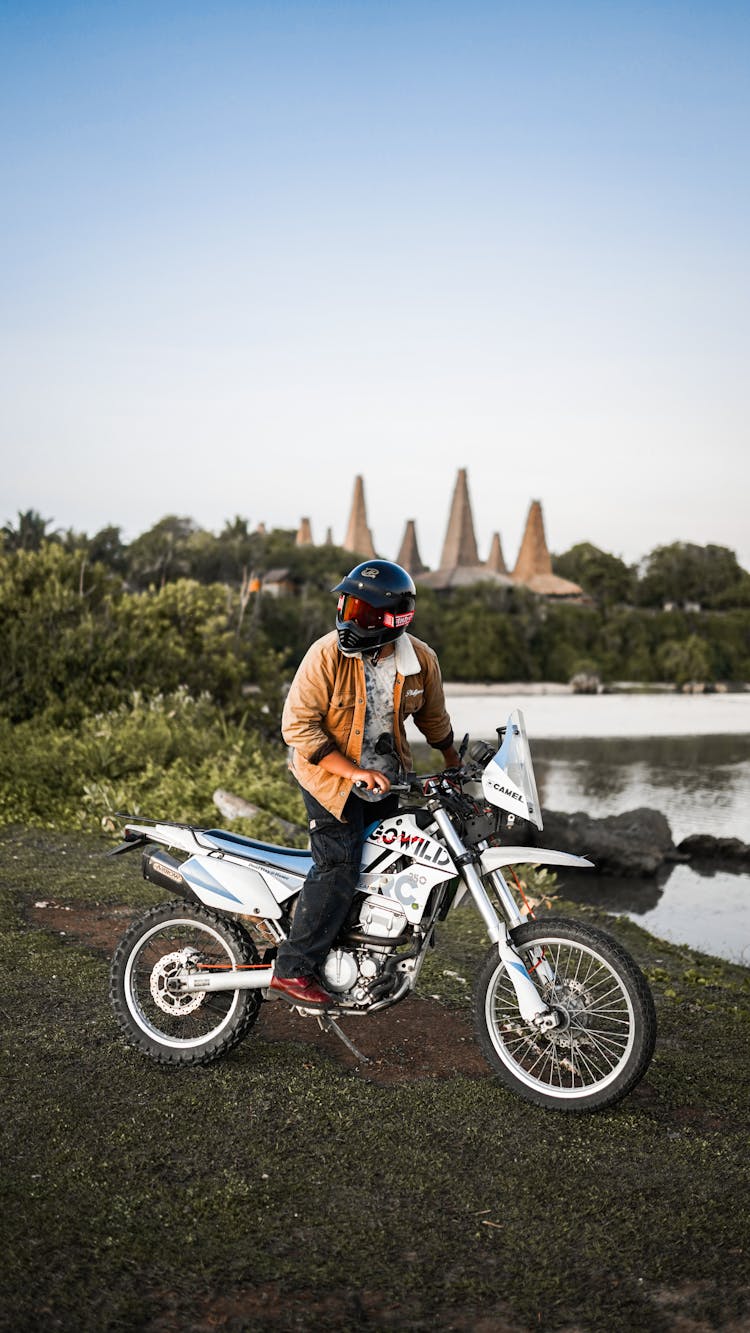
326, 705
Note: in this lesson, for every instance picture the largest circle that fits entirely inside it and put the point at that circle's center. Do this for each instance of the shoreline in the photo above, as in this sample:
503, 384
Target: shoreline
458, 688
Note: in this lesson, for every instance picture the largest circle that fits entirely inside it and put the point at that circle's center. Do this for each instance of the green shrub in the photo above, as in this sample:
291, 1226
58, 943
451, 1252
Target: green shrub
161, 758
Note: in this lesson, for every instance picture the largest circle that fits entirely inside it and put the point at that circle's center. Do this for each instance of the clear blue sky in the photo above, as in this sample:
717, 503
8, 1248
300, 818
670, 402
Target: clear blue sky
250, 250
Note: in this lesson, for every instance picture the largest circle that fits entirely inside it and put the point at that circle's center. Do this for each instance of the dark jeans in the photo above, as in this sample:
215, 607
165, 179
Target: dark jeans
328, 891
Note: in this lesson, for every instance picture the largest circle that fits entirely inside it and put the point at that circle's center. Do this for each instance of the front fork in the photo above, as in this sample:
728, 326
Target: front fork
531, 1006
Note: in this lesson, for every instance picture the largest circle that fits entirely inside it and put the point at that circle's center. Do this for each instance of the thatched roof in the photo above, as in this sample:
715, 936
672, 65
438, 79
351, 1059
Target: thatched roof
408, 556
463, 576
533, 567
460, 545
358, 536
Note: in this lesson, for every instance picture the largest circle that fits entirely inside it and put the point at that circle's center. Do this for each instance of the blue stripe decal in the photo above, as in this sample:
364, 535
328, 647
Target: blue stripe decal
200, 878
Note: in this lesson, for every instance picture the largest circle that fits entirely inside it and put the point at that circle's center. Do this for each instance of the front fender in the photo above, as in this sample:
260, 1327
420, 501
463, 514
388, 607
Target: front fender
494, 858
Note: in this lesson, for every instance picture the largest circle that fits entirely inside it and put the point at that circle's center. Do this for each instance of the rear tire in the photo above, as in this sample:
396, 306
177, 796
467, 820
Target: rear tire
176, 1027
606, 1040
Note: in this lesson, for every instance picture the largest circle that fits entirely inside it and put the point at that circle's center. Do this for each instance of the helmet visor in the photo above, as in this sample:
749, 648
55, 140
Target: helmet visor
354, 610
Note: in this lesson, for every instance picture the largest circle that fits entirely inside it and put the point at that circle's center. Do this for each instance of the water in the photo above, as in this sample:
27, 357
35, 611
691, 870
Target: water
701, 783
558, 714
685, 755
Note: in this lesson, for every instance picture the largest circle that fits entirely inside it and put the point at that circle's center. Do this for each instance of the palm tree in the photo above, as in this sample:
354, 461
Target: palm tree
30, 532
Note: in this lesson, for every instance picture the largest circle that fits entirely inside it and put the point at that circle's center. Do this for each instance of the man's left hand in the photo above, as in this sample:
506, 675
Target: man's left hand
451, 758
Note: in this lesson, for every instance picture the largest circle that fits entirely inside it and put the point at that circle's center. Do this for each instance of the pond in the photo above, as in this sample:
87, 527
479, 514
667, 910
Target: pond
685, 755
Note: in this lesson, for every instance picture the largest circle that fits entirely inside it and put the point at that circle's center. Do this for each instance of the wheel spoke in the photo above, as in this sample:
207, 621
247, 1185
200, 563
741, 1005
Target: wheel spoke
596, 1035
181, 1018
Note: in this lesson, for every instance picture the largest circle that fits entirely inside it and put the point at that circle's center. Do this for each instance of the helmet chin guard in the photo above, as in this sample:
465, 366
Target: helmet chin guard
376, 604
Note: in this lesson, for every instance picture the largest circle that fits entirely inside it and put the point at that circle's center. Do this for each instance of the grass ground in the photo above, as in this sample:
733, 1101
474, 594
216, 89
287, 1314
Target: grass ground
282, 1189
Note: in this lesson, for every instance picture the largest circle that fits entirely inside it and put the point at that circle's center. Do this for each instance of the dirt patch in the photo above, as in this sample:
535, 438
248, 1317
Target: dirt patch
270, 1307
98, 927
414, 1040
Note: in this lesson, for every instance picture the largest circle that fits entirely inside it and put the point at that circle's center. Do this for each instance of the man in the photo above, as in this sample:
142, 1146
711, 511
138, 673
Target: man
355, 685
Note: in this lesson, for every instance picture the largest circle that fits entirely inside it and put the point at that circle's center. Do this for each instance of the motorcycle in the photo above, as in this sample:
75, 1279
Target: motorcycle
562, 1013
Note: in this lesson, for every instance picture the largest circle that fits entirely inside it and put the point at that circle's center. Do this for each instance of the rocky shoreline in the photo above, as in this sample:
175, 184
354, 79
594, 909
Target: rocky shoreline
637, 843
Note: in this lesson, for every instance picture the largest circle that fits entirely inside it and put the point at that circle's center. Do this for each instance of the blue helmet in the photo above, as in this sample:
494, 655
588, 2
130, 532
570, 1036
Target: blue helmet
376, 604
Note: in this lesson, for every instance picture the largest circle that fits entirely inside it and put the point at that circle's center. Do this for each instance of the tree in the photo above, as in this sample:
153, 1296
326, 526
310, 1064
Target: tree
684, 660
681, 573
30, 533
107, 548
161, 554
604, 577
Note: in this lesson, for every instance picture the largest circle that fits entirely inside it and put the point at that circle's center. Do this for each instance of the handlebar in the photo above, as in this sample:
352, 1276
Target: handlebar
415, 781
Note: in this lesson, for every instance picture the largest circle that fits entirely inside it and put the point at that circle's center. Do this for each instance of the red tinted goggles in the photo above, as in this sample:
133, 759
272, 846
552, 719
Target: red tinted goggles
371, 617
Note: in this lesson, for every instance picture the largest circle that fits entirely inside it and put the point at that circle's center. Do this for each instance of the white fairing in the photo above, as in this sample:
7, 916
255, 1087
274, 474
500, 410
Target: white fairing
382, 873
508, 780
229, 887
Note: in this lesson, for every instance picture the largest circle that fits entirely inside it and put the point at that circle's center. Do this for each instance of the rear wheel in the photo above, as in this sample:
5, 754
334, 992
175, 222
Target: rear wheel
607, 1030
173, 1025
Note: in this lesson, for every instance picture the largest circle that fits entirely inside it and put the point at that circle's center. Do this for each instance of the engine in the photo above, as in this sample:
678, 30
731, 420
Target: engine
351, 972
382, 918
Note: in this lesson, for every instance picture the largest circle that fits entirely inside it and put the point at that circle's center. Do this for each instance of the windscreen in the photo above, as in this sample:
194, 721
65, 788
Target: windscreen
508, 780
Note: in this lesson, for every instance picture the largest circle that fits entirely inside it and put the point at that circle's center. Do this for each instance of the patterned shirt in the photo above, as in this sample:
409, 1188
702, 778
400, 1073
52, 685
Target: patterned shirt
380, 681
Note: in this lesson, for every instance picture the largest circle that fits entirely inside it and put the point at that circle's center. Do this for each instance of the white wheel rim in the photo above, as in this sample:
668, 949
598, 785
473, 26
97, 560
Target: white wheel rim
591, 1052
135, 1008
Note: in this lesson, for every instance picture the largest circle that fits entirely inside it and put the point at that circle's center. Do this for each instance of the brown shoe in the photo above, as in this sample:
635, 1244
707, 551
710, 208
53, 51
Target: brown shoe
302, 990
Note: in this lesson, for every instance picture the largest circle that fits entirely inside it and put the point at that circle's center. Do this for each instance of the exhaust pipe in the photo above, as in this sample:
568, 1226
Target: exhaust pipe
160, 868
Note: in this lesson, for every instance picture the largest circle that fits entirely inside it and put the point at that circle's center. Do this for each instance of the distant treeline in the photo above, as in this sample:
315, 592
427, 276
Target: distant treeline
142, 677
88, 620
681, 574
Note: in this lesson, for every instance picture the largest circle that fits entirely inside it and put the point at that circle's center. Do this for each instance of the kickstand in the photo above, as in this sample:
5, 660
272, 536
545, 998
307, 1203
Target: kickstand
328, 1025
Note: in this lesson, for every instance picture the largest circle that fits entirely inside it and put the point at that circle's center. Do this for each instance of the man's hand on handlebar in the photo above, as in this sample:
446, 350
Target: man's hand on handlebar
372, 780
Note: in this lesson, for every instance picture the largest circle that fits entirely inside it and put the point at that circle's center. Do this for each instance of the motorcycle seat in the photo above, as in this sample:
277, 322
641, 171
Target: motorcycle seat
296, 859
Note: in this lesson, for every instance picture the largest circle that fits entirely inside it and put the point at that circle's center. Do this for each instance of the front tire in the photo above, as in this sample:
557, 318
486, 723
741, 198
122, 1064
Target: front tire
608, 1030
171, 1026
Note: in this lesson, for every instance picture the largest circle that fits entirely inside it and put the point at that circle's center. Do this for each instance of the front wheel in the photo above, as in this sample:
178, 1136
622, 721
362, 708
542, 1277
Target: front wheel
171, 1024
607, 1030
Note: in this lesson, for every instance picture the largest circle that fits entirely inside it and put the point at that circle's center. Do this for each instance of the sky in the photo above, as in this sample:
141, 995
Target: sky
252, 250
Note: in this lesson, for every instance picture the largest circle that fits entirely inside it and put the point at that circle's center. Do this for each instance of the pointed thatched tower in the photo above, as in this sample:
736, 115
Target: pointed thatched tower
496, 559
408, 556
304, 533
460, 566
533, 556
358, 536
460, 546
534, 564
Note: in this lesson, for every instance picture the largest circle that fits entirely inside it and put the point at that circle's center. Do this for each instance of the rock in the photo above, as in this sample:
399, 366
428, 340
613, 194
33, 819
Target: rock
636, 842
721, 851
585, 682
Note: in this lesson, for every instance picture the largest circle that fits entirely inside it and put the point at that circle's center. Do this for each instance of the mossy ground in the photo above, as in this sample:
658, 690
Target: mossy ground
280, 1190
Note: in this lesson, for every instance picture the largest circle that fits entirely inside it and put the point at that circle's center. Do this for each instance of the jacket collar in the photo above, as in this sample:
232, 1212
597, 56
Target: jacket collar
407, 662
